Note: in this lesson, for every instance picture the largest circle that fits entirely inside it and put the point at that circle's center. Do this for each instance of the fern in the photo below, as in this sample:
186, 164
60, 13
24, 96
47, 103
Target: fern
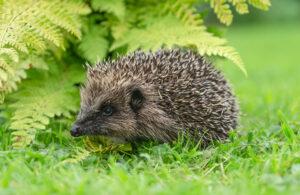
224, 13
260, 4
79, 154
16, 71
95, 145
99, 144
240, 6
41, 99
183, 11
94, 45
116, 7
177, 33
27, 27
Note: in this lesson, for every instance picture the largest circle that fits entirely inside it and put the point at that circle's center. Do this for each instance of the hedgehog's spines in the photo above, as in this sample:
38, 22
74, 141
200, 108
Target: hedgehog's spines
189, 89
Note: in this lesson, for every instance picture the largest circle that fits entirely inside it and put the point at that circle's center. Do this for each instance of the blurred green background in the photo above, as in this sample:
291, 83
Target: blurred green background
269, 43
281, 11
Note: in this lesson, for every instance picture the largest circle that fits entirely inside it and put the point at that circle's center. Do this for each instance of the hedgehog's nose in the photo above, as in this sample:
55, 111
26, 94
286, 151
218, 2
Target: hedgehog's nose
75, 130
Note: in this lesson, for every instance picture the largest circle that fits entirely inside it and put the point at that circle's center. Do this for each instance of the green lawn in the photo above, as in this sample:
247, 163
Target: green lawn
264, 157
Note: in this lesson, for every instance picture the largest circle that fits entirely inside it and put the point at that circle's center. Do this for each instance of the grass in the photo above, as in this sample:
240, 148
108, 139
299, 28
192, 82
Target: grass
262, 158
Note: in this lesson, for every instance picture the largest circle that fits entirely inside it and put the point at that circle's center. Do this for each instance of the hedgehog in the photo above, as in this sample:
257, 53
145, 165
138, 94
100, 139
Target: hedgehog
156, 96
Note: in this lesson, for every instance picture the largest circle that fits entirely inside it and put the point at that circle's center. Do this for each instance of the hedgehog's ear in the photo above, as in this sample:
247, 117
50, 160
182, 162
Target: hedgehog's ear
137, 99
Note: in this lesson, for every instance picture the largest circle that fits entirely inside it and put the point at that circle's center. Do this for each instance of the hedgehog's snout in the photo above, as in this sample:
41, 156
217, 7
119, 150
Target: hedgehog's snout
76, 130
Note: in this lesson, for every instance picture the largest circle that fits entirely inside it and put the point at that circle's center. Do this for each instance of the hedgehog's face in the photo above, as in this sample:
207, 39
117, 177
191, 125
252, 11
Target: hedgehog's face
109, 112
122, 107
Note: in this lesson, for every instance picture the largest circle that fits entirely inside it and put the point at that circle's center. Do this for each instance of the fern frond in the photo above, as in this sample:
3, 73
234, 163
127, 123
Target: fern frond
94, 45
13, 73
29, 26
116, 7
10, 75
66, 15
100, 144
169, 31
41, 99
241, 6
42, 18
149, 10
95, 145
186, 13
260, 4
119, 29
222, 9
224, 13
79, 155
11, 53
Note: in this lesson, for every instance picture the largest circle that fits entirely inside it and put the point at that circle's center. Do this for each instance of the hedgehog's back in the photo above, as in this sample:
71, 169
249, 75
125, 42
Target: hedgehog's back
189, 88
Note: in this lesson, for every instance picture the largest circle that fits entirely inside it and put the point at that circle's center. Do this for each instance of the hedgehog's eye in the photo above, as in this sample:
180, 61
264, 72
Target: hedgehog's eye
107, 110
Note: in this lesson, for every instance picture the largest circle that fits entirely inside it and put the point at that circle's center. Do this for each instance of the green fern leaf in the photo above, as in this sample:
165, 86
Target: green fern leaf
94, 45
78, 156
41, 18
169, 31
185, 12
41, 99
101, 144
241, 6
224, 13
222, 9
260, 4
10, 75
66, 15
119, 29
13, 73
11, 53
95, 145
116, 7
29, 26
